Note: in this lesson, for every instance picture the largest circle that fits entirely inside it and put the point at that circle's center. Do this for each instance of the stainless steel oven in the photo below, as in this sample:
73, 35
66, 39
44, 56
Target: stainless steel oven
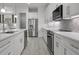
50, 41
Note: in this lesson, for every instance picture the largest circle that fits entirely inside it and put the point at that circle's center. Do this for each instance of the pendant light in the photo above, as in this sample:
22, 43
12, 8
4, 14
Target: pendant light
3, 9
15, 11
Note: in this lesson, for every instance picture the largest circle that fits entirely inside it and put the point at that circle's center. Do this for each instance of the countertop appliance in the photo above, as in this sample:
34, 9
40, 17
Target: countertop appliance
50, 41
57, 14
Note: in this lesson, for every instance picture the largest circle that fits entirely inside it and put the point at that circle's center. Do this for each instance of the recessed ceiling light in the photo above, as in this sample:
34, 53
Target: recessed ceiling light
28, 3
15, 16
3, 10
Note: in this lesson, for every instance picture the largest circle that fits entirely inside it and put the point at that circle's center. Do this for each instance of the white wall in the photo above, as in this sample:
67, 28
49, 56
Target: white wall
41, 18
49, 11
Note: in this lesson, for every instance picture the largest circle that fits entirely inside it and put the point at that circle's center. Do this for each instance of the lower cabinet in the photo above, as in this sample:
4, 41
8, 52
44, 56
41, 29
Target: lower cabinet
61, 47
13, 45
18, 44
44, 34
58, 48
68, 52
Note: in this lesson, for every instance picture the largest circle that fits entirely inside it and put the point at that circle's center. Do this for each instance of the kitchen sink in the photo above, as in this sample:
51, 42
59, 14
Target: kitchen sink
65, 30
10, 32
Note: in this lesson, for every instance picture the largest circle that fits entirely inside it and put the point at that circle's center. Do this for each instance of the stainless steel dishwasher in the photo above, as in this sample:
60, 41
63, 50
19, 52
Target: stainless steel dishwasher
50, 41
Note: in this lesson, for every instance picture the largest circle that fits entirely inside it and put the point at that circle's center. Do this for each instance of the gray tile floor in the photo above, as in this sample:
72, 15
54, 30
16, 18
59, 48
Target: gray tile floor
35, 46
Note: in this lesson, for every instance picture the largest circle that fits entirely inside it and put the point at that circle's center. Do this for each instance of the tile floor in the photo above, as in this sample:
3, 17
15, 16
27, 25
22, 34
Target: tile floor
35, 46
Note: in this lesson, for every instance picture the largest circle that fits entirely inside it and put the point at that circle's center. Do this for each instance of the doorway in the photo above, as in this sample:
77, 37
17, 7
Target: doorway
22, 17
33, 27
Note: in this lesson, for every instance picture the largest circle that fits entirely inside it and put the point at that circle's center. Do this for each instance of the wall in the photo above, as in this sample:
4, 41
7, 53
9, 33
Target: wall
41, 18
50, 8
48, 11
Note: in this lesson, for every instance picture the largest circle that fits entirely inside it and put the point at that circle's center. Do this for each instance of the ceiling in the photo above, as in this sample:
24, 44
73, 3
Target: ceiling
23, 5
37, 4
20, 6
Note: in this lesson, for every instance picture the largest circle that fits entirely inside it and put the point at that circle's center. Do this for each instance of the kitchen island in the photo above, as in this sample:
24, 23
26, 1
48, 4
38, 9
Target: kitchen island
12, 43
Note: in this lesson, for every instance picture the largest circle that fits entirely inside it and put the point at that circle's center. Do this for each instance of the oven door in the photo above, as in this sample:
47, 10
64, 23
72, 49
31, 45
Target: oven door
50, 42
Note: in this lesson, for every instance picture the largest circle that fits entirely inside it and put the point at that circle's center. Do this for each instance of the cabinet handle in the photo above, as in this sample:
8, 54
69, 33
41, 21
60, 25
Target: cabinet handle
74, 46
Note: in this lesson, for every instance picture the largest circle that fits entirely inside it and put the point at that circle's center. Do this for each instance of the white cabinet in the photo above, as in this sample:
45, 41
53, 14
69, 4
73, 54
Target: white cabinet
58, 48
74, 9
12, 45
65, 46
66, 10
18, 43
70, 9
44, 31
68, 52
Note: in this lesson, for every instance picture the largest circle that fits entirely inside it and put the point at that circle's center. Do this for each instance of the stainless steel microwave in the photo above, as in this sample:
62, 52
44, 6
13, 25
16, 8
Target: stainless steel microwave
58, 13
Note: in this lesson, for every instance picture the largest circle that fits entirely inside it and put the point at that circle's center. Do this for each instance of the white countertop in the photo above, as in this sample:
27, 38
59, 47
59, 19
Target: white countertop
71, 35
7, 35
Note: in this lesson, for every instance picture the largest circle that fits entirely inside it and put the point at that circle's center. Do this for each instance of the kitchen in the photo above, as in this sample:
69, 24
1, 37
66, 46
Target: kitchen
39, 28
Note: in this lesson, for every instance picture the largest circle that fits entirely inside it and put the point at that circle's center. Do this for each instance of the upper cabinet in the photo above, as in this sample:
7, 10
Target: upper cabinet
62, 11
66, 10
74, 9
70, 9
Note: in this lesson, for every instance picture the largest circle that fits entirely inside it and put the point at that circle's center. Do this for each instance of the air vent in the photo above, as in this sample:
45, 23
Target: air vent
33, 9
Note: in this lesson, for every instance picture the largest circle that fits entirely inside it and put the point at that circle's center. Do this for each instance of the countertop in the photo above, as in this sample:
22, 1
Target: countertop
71, 35
4, 36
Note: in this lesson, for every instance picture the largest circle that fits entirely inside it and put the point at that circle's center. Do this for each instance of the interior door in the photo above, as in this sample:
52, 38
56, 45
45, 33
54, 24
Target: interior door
23, 20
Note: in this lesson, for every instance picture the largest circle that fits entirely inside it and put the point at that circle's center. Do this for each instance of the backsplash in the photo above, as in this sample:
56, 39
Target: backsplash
71, 24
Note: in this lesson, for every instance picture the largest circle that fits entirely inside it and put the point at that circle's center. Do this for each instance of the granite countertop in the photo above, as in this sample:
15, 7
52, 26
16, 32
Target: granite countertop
71, 35
4, 36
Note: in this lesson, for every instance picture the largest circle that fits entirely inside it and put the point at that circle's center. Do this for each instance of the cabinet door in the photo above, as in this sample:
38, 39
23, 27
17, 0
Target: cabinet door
68, 52
44, 35
58, 48
16, 45
21, 41
66, 10
74, 9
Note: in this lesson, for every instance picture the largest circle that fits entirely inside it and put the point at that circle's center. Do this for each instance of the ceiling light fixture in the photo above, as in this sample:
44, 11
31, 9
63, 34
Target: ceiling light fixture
15, 16
3, 9
15, 11
28, 3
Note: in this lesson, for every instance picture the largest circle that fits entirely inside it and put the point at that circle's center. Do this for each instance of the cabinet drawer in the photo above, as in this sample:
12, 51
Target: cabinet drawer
69, 43
74, 45
4, 42
5, 49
